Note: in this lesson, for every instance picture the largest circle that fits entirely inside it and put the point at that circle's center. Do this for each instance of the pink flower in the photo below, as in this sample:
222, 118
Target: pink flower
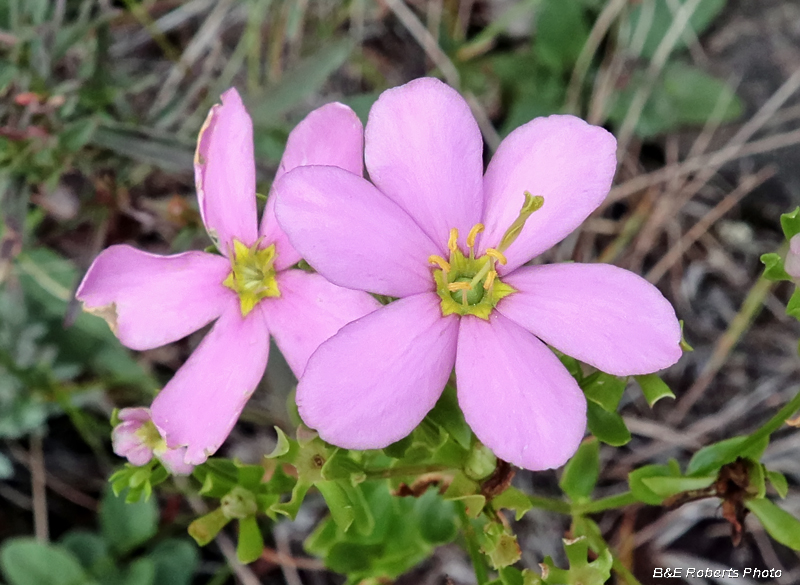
137, 439
792, 262
152, 300
451, 244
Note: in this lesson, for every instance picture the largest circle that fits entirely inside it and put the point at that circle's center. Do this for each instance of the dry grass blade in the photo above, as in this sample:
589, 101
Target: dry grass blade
747, 185
657, 63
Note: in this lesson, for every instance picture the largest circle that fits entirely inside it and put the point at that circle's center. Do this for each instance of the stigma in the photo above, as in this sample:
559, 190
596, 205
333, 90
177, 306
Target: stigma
252, 274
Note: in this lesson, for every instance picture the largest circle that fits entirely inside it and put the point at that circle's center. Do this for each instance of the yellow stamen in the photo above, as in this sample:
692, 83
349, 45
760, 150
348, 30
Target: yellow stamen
490, 280
473, 233
497, 255
440, 262
454, 286
452, 243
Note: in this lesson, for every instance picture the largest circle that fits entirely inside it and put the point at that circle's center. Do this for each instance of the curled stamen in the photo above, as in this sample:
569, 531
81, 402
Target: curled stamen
440, 262
454, 286
490, 280
497, 255
452, 243
473, 233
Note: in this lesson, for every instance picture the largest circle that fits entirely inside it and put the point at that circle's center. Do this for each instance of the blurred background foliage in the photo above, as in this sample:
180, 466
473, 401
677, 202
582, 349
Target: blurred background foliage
100, 105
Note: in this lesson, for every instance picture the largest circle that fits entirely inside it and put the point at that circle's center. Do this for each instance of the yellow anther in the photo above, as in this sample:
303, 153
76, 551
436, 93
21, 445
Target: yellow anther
440, 262
452, 243
454, 286
473, 233
489, 280
497, 255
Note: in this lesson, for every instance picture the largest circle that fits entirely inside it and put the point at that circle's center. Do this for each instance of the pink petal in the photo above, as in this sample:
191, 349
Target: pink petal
562, 158
352, 234
424, 151
225, 174
309, 311
603, 315
173, 461
515, 394
202, 402
374, 381
151, 300
332, 136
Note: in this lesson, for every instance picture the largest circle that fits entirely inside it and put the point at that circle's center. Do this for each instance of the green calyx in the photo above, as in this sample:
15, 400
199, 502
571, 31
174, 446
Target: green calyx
468, 285
151, 438
252, 274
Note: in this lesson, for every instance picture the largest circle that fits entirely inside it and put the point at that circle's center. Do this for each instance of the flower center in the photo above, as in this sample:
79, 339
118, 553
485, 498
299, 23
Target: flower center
150, 437
252, 274
468, 285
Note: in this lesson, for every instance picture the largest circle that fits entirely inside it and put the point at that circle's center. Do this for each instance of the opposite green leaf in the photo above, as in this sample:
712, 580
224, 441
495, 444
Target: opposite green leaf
714, 456
581, 472
778, 481
604, 389
607, 426
25, 561
653, 388
781, 525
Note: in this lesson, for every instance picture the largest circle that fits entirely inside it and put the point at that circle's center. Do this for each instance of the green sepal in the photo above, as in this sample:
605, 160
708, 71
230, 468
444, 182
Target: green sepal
653, 388
790, 223
513, 499
480, 462
793, 306
607, 426
714, 456
282, 445
500, 545
347, 505
139, 481
291, 507
467, 491
685, 347
778, 481
582, 471
205, 528
341, 466
581, 571
604, 389
780, 525
251, 543
773, 267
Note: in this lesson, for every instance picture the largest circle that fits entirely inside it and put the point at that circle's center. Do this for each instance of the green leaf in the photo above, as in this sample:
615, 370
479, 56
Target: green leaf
448, 415
513, 499
175, 562
607, 426
341, 466
604, 389
438, 524
142, 571
773, 267
291, 507
793, 307
251, 543
790, 223
714, 456
6, 467
126, 526
653, 388
282, 445
88, 547
561, 32
641, 490
297, 84
778, 481
582, 470
662, 18
146, 147
665, 487
781, 525
347, 505
25, 561
76, 135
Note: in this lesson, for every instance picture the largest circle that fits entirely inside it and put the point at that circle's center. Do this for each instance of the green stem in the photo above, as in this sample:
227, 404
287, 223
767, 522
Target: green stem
623, 572
405, 470
473, 548
551, 504
617, 501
